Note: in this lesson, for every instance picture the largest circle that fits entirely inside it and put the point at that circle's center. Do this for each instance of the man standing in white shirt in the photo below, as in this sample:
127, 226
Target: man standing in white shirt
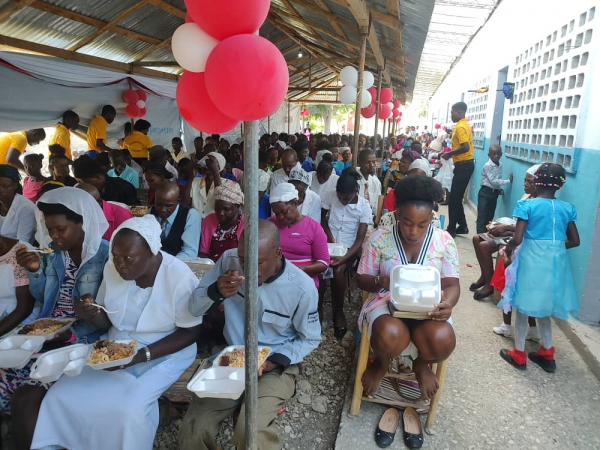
491, 188
370, 186
289, 160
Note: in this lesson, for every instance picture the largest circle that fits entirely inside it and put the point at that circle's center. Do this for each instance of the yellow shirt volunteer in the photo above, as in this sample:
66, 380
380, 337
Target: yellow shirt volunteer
462, 133
138, 144
96, 130
62, 137
17, 140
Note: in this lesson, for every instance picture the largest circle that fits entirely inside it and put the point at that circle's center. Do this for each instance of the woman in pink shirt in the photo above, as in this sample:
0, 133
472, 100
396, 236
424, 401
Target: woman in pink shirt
115, 215
302, 239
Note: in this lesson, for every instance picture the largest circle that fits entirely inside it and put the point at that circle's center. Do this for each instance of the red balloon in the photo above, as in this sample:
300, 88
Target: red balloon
373, 93
384, 110
142, 112
246, 77
141, 95
188, 18
437, 126
396, 104
132, 111
130, 96
386, 95
197, 108
369, 111
396, 113
225, 18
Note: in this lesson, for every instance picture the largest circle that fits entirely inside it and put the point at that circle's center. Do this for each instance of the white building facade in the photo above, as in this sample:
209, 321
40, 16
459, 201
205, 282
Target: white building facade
554, 116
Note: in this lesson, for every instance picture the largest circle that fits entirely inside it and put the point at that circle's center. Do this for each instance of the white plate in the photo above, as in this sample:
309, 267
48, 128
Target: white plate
47, 336
12, 348
218, 382
117, 363
415, 288
337, 250
14, 359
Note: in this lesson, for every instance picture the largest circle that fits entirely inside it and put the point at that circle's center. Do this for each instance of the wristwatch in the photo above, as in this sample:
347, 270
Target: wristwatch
148, 355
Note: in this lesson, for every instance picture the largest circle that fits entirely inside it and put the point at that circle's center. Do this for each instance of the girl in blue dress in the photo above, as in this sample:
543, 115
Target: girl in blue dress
544, 285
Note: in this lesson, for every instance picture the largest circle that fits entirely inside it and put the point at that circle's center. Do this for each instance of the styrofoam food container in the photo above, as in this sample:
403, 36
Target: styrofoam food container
117, 363
17, 350
205, 261
51, 335
218, 382
49, 367
337, 250
233, 347
415, 288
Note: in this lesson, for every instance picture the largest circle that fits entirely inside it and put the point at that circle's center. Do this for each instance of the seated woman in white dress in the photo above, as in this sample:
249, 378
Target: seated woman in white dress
17, 213
118, 409
411, 240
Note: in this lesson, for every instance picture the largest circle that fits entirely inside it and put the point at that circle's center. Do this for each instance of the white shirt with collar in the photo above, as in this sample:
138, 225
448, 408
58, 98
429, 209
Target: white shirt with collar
374, 190
344, 220
311, 206
322, 189
279, 176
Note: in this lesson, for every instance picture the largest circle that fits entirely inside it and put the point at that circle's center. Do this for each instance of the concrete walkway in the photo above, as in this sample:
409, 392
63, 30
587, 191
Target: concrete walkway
486, 403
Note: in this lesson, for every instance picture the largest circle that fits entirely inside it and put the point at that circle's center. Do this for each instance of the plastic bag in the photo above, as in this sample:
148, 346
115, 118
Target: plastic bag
446, 174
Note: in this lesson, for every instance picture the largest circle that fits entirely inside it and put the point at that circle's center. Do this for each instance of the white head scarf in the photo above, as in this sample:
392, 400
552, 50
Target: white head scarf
533, 169
82, 203
319, 157
220, 160
147, 227
263, 180
283, 192
420, 164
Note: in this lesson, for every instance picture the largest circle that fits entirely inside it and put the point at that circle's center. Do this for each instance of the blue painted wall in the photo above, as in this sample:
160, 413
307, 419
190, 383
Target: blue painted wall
581, 189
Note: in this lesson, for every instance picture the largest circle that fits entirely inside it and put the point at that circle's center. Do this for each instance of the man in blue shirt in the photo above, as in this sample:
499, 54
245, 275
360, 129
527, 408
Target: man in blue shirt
180, 224
121, 169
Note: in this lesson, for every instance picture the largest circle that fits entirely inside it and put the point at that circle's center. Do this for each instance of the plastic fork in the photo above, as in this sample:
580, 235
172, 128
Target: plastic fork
105, 310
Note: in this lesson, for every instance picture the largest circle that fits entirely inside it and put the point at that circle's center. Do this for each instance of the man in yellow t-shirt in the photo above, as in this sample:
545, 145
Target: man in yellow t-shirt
12, 145
138, 142
464, 166
62, 135
96, 134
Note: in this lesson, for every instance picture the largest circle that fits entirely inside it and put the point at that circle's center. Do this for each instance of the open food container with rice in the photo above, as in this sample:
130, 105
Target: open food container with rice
415, 288
103, 354
48, 328
226, 378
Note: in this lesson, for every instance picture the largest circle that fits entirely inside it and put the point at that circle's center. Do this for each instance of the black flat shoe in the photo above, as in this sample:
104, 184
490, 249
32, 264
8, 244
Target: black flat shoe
506, 357
451, 233
546, 364
413, 432
482, 295
339, 332
475, 286
462, 231
386, 430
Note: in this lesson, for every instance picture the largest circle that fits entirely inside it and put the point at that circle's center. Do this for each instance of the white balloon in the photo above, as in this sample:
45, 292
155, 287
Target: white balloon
192, 46
391, 114
365, 99
141, 104
348, 95
368, 79
391, 105
349, 76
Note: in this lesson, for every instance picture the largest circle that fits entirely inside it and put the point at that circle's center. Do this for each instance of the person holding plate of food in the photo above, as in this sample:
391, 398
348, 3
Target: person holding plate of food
146, 292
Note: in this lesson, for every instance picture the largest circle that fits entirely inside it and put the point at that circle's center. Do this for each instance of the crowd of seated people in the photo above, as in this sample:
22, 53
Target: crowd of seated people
99, 254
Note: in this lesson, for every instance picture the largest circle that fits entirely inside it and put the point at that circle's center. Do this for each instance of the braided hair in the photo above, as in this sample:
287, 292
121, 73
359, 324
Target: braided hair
348, 181
551, 176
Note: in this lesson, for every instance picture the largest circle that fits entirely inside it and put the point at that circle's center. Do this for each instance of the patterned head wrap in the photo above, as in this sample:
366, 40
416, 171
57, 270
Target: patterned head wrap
263, 180
147, 227
410, 154
231, 193
299, 174
283, 192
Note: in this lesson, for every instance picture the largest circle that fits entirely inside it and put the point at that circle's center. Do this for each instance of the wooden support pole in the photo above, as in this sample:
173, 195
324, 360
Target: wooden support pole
130, 81
364, 33
378, 103
269, 124
289, 118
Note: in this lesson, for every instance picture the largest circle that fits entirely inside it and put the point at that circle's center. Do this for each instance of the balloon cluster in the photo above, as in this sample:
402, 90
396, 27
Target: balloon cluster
348, 94
231, 75
388, 109
437, 126
136, 103
305, 112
